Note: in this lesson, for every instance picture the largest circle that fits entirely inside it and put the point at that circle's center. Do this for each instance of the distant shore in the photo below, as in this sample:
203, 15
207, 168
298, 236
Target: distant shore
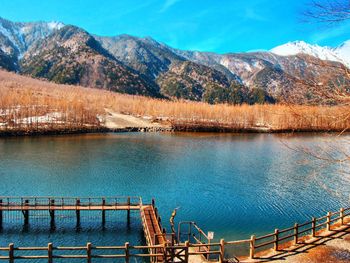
34, 107
178, 128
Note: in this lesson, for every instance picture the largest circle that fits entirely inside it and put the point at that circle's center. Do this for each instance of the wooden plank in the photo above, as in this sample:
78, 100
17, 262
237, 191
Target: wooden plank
152, 231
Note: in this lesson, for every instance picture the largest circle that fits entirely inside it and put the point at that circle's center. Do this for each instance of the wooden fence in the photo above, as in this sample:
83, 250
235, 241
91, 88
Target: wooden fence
7, 202
182, 251
295, 233
125, 252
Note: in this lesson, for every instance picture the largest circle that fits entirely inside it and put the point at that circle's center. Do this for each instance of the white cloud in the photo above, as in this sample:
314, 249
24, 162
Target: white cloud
251, 14
168, 4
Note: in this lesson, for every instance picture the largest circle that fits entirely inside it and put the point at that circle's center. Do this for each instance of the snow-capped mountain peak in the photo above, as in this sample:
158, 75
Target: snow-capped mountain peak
343, 52
323, 53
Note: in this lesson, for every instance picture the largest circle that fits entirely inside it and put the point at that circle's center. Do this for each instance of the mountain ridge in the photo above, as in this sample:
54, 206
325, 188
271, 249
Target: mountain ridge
141, 65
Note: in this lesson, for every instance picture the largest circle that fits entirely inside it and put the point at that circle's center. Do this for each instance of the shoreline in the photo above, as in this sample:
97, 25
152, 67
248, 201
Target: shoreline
159, 129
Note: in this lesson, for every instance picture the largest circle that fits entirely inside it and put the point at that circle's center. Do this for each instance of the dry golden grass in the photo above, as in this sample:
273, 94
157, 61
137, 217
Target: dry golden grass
23, 97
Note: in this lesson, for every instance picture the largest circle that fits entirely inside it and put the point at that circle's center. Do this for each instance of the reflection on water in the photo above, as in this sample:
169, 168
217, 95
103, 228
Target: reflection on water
234, 184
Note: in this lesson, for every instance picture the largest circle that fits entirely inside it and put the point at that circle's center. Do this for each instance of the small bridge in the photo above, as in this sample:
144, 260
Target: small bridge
53, 204
160, 245
189, 246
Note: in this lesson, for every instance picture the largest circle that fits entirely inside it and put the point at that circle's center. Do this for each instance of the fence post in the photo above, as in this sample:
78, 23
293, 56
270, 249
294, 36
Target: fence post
127, 253
0, 213
296, 233
187, 245
52, 211
11, 254
128, 211
49, 252
313, 227
329, 221
222, 251
342, 216
77, 211
103, 212
26, 212
252, 246
173, 239
88, 252
275, 246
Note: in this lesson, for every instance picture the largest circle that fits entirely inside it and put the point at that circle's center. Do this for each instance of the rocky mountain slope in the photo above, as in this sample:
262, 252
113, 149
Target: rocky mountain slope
70, 55
16, 38
144, 55
279, 76
128, 64
176, 76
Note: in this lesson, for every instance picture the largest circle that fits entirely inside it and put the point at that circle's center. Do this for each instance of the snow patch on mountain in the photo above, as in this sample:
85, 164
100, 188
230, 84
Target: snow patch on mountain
343, 51
8, 34
54, 25
340, 54
21, 35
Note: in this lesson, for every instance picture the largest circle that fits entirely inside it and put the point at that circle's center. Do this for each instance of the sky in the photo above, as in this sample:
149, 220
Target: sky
221, 26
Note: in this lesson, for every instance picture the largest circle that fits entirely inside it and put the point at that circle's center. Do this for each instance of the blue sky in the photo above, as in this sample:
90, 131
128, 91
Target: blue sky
206, 25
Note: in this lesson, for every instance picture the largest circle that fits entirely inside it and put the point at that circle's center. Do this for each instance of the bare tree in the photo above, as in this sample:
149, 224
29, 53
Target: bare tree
333, 150
328, 11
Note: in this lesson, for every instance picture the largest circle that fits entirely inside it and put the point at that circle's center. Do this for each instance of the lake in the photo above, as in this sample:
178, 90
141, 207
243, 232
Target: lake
233, 184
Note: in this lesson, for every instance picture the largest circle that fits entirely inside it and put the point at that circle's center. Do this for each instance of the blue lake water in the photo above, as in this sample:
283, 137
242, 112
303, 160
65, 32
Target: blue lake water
233, 184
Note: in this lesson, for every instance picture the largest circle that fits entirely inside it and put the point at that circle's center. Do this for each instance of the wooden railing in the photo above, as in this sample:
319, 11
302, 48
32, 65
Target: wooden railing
295, 233
120, 252
168, 250
61, 202
274, 240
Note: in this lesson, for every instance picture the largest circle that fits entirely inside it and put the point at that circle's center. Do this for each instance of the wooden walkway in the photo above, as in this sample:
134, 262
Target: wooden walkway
69, 207
153, 232
151, 226
149, 215
193, 248
52, 204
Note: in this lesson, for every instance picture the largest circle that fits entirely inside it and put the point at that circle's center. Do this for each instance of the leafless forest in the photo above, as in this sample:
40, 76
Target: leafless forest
29, 105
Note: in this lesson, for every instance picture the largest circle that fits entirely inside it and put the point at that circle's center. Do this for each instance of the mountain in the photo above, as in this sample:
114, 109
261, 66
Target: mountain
192, 81
343, 52
71, 55
339, 54
176, 76
281, 77
144, 55
16, 38
135, 65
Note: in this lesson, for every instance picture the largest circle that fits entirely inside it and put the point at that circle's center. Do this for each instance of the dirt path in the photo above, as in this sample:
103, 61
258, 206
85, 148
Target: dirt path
116, 120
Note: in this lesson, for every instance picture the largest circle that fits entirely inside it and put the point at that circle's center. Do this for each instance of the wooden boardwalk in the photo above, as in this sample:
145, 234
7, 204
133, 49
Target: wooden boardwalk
149, 215
28, 205
152, 227
70, 207
153, 231
193, 248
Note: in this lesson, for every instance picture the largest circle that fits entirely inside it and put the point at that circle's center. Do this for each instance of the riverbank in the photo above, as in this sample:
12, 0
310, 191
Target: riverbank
30, 106
121, 127
188, 128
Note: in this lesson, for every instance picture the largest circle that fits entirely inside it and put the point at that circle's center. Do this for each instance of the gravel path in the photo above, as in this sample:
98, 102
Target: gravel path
116, 120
